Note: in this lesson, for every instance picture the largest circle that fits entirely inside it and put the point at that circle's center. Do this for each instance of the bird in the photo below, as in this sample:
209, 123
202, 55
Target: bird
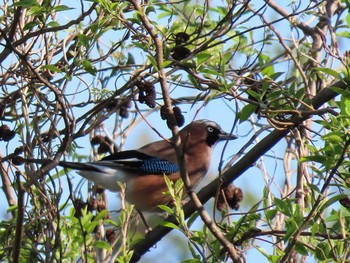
142, 170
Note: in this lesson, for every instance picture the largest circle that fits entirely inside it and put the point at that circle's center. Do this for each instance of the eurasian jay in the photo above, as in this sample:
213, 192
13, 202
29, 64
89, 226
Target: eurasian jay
142, 170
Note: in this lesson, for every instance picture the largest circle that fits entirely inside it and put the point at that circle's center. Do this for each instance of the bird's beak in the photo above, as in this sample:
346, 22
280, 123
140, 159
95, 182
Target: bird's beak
224, 136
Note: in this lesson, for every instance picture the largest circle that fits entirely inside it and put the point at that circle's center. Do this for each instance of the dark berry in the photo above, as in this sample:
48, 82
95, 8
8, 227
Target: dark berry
163, 112
179, 53
180, 119
181, 38
6, 134
19, 150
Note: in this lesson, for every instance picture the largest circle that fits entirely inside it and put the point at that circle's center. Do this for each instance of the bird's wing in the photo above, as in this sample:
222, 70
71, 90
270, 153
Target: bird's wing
128, 161
136, 161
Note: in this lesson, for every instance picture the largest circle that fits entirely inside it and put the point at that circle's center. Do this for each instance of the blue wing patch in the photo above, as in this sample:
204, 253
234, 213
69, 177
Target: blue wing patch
158, 166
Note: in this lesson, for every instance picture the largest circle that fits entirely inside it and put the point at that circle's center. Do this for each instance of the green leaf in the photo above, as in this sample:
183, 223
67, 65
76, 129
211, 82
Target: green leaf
315, 158
301, 249
326, 204
254, 94
329, 71
84, 40
169, 225
153, 61
270, 214
102, 245
210, 73
193, 80
90, 227
53, 24
52, 68
26, 3
336, 137
283, 206
89, 68
202, 57
347, 19
166, 209
60, 8
246, 112
192, 218
290, 231
30, 25
37, 10
276, 75
111, 222
321, 251
314, 229
150, 9
268, 71
166, 63
101, 215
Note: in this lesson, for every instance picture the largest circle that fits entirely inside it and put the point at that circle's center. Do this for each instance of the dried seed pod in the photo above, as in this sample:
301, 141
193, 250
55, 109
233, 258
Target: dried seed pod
232, 196
345, 202
92, 204
79, 205
2, 109
113, 104
124, 109
110, 235
103, 148
124, 113
17, 160
98, 139
147, 93
150, 100
4, 128
101, 206
98, 190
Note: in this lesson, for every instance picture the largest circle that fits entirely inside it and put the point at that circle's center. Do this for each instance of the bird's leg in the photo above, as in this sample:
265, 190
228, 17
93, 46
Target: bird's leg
148, 228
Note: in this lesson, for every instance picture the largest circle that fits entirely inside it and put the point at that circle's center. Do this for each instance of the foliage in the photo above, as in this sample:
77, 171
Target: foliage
98, 69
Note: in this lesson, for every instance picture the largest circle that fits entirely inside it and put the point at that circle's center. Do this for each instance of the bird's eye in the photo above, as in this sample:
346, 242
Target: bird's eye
210, 129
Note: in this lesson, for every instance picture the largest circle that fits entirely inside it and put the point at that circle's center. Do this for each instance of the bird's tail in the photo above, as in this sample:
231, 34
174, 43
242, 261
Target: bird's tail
64, 164
106, 177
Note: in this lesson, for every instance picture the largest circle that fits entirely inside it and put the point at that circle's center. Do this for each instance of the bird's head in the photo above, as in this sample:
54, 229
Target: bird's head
205, 131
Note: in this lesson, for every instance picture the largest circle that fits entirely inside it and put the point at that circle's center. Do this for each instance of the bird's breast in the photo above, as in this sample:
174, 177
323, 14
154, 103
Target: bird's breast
146, 192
